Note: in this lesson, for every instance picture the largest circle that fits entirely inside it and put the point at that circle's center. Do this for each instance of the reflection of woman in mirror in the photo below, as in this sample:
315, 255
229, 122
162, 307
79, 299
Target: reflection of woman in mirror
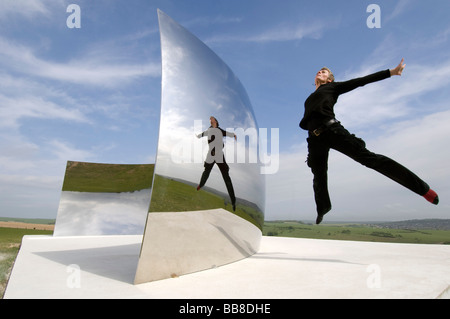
216, 156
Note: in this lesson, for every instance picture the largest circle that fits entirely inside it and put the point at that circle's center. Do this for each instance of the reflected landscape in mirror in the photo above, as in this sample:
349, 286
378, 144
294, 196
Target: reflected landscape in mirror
198, 85
104, 199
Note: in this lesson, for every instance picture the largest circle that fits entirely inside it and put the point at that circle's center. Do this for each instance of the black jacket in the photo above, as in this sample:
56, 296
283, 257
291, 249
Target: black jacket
319, 106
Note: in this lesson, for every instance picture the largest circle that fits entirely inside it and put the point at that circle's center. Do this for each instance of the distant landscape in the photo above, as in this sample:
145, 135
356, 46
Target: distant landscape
436, 224
425, 231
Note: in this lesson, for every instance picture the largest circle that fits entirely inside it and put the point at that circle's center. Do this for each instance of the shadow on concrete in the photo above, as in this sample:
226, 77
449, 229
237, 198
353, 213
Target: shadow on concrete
114, 262
274, 257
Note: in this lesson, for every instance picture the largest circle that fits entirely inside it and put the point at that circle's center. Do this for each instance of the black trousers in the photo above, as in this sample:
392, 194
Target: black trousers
338, 138
224, 169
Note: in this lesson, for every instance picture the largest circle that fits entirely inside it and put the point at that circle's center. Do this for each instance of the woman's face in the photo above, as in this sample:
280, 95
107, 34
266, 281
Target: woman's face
322, 77
213, 121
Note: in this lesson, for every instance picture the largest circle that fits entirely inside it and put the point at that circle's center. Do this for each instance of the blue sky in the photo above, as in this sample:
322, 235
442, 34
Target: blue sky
93, 93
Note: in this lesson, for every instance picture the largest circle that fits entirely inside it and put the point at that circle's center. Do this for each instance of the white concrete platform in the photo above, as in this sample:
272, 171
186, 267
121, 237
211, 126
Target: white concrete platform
284, 268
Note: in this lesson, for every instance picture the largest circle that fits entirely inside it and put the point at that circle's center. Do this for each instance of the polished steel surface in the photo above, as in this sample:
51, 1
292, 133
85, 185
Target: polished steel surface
104, 199
197, 84
191, 228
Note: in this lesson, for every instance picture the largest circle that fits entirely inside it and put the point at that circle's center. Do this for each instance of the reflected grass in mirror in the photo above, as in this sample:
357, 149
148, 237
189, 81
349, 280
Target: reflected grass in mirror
170, 195
107, 178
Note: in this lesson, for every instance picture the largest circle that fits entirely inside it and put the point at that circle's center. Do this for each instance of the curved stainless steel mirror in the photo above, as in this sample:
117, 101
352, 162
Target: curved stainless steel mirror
207, 203
104, 199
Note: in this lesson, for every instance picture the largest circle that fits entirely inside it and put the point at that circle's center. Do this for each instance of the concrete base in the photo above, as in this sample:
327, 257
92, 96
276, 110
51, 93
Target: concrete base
105, 266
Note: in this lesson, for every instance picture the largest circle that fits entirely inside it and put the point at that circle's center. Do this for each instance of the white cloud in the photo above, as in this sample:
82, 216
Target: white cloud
282, 33
396, 98
24, 8
86, 70
31, 175
12, 109
289, 33
208, 21
66, 151
400, 8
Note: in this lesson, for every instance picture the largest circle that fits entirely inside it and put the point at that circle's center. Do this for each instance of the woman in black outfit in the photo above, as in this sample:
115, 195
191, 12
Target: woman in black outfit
326, 132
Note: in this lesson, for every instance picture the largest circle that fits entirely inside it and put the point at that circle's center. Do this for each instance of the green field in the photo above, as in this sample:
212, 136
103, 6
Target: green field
355, 232
10, 239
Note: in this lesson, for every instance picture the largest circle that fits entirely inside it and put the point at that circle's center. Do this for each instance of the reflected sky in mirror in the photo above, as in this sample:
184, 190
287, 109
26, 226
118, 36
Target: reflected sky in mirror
104, 199
97, 214
197, 84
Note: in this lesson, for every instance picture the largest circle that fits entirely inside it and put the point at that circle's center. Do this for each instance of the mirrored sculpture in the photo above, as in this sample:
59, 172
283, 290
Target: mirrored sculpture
207, 202
104, 199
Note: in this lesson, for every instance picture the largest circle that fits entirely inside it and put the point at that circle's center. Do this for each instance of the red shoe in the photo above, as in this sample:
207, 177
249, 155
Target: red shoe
432, 197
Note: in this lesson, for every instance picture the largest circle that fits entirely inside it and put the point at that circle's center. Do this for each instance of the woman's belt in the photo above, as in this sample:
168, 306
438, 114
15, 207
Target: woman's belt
324, 127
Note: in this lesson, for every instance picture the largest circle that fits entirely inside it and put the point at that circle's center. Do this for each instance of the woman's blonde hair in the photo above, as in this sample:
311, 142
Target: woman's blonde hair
330, 74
